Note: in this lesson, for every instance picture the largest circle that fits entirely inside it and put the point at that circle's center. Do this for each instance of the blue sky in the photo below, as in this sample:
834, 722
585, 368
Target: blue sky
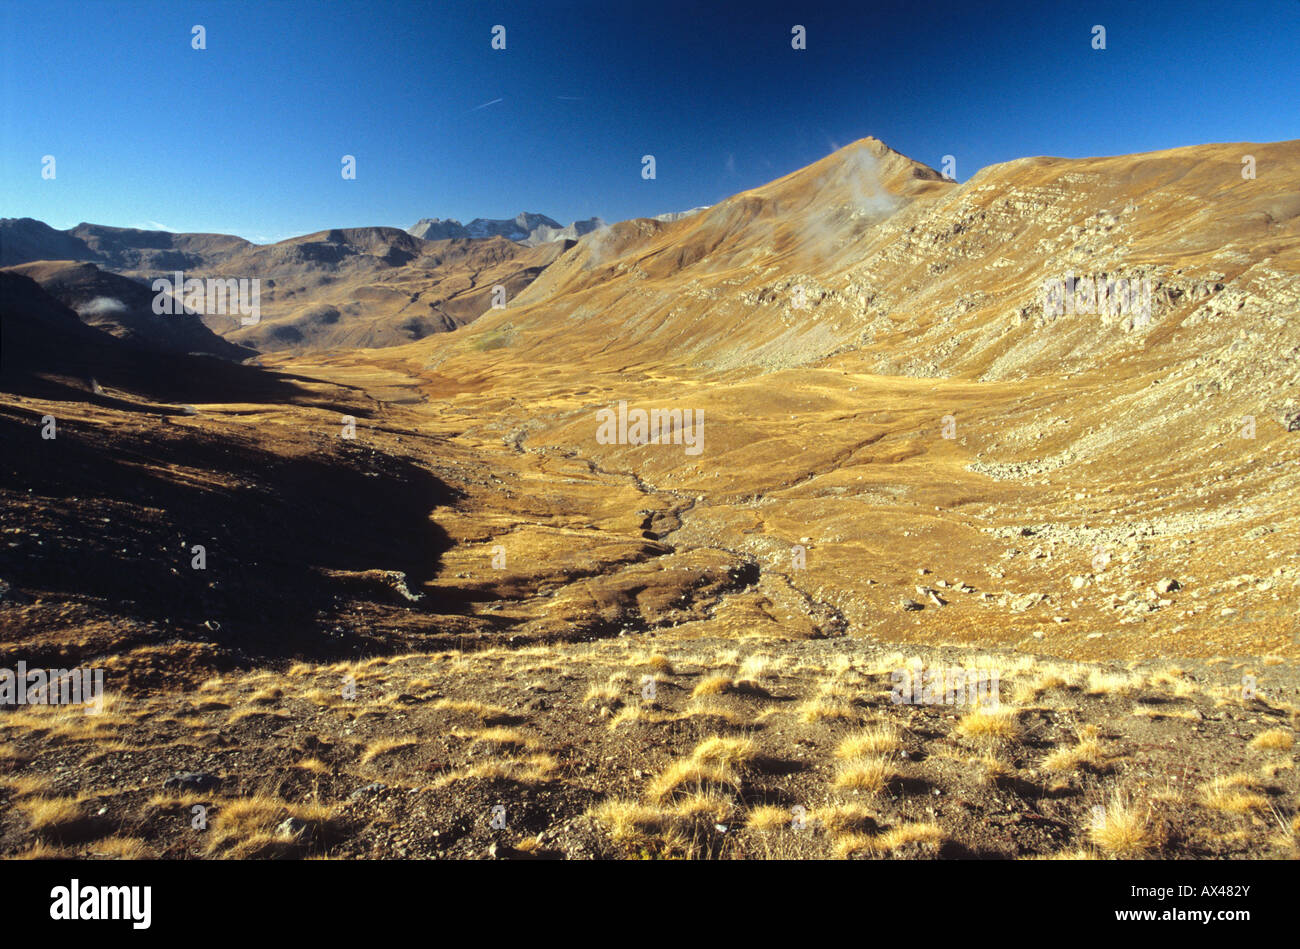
247, 136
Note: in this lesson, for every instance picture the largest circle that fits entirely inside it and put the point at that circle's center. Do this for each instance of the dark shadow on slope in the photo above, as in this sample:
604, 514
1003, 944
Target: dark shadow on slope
112, 514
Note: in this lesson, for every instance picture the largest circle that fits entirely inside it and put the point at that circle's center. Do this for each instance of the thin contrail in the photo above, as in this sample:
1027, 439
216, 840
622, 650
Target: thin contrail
484, 105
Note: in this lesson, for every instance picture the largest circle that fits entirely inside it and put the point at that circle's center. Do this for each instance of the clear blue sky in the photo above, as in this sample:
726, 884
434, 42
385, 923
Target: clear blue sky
246, 137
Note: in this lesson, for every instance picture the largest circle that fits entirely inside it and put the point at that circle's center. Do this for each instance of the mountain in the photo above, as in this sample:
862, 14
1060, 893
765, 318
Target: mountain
671, 216
23, 240
124, 308
921, 276
48, 352
888, 383
373, 287
900, 457
524, 228
367, 286
545, 234
122, 249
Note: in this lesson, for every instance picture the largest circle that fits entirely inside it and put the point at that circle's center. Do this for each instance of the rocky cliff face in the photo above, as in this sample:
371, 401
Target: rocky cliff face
524, 228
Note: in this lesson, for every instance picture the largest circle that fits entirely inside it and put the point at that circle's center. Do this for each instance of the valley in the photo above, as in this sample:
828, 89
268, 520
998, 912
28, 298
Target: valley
475, 601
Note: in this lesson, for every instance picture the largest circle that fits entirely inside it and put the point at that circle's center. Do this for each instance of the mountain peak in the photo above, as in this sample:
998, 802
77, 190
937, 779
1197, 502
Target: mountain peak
526, 227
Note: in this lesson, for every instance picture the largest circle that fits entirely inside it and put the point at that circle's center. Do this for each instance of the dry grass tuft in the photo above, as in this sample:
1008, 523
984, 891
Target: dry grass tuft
996, 723
726, 753
870, 774
1124, 829
713, 685
767, 817
1234, 794
533, 770
879, 739
1275, 739
686, 776
844, 819
820, 710
1086, 753
53, 816
120, 848
384, 746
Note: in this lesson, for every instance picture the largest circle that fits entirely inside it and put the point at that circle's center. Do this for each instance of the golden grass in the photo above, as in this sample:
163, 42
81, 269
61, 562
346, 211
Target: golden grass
754, 667
1124, 829
42, 850
1271, 769
1275, 739
1112, 683
1028, 690
713, 685
52, 816
384, 746
927, 835
505, 739
768, 817
1234, 794
870, 774
248, 827
994, 770
878, 739
1087, 752
533, 770
726, 753
657, 662
687, 776
706, 709
1157, 712
708, 806
997, 723
487, 714
836, 690
843, 819
630, 822
604, 696
818, 710
120, 848
25, 785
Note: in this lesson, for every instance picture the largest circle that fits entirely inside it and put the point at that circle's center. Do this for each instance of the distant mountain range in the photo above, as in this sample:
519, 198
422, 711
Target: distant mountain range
345, 287
524, 228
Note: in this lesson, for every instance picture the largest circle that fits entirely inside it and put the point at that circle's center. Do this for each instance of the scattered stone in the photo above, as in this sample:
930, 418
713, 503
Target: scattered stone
1168, 586
192, 781
291, 827
911, 606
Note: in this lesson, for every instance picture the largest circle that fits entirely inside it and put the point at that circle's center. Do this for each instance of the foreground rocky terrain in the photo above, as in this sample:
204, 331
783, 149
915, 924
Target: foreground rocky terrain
441, 614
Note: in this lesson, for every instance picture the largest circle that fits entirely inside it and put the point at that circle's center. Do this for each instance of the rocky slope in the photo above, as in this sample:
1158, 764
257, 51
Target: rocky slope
525, 228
